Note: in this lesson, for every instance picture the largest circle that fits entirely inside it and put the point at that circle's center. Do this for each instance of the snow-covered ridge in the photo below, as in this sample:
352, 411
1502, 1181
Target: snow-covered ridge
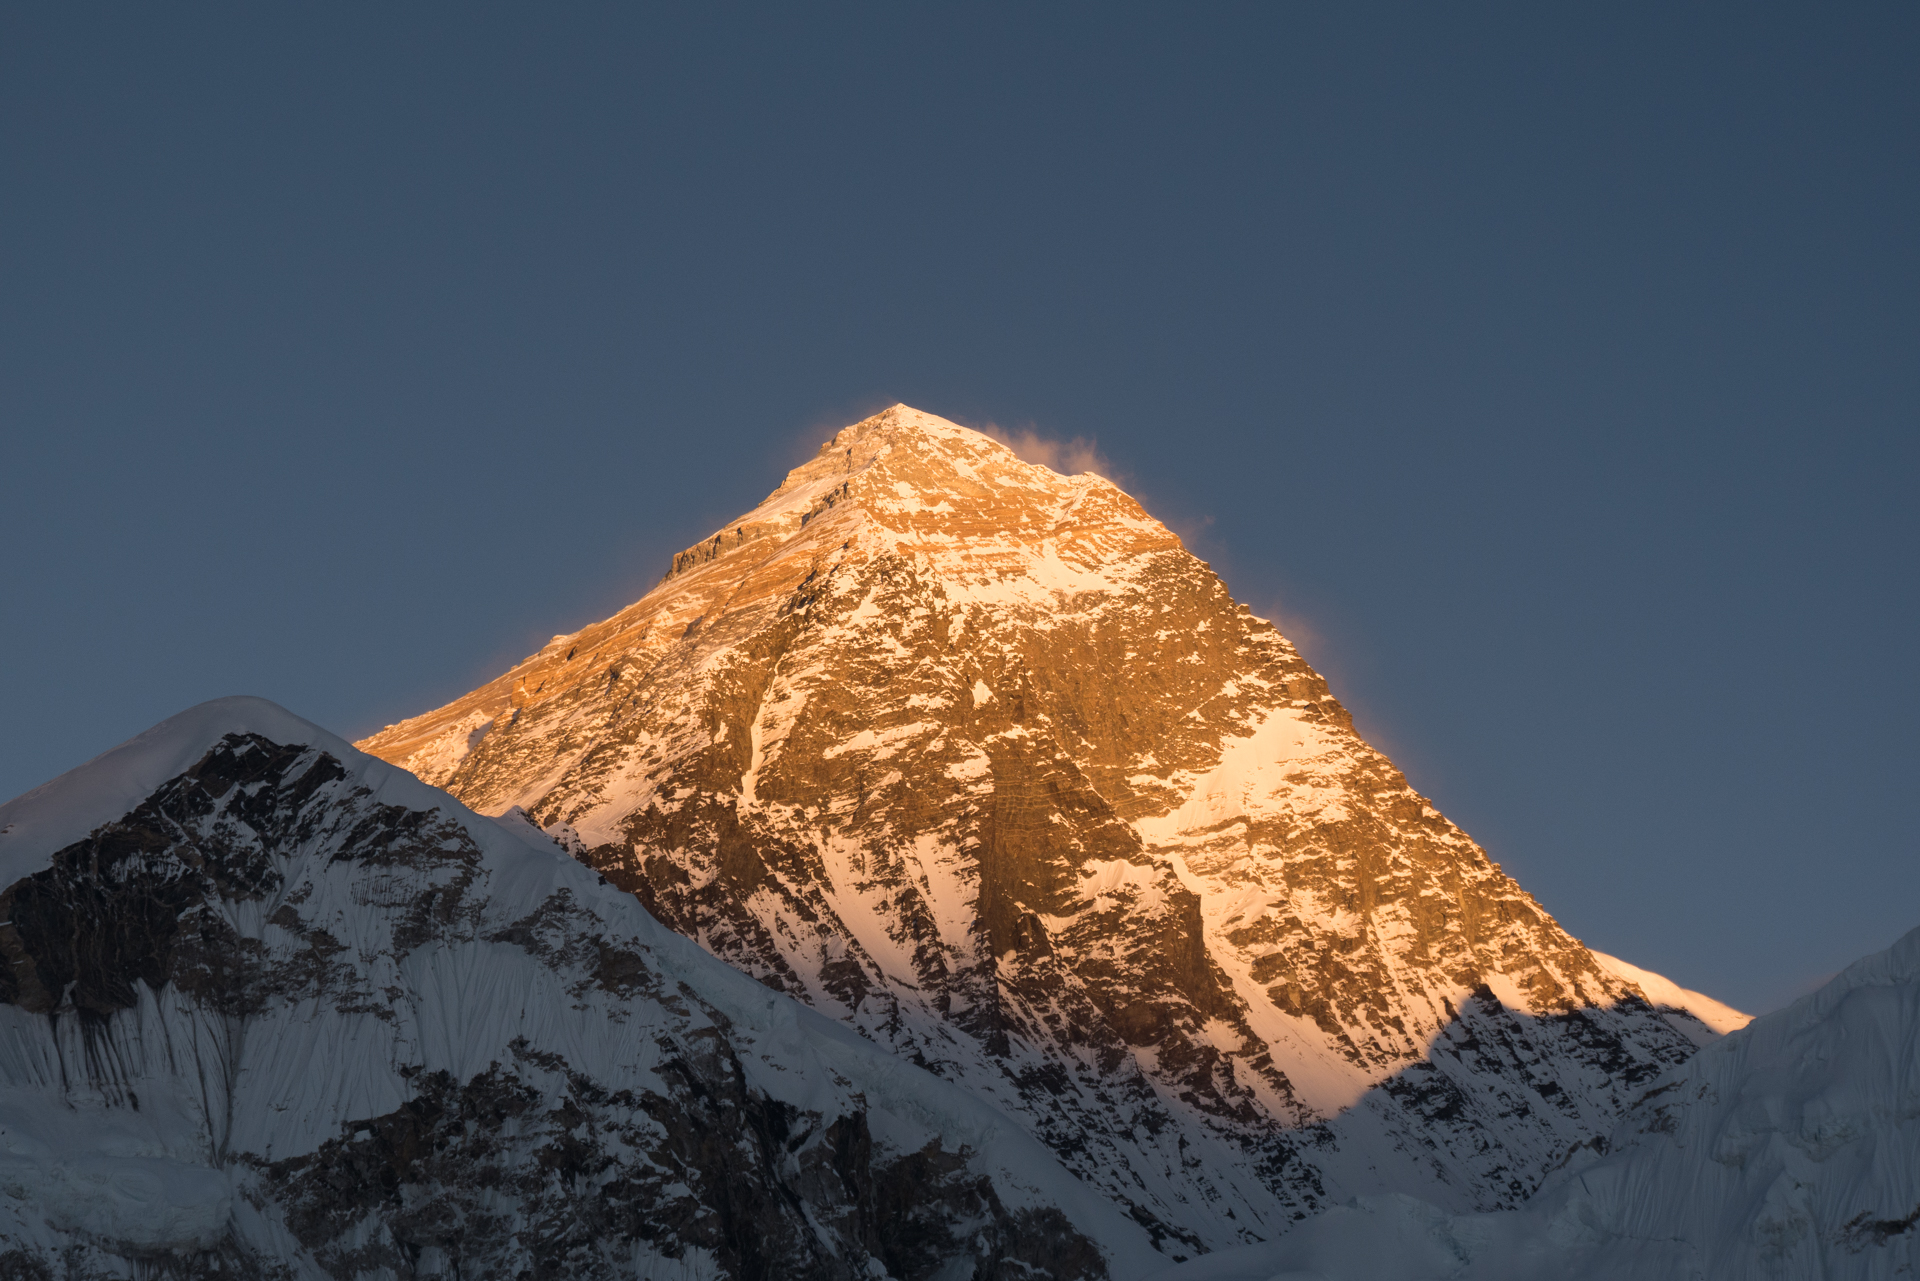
355, 957
1718, 1016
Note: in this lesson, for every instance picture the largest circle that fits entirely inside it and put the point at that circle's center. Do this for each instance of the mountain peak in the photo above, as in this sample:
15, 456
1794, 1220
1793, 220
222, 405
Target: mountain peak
900, 421
903, 483
65, 809
920, 453
977, 758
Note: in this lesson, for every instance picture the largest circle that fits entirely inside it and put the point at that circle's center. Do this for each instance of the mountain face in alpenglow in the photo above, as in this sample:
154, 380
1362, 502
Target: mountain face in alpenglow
271, 1008
977, 759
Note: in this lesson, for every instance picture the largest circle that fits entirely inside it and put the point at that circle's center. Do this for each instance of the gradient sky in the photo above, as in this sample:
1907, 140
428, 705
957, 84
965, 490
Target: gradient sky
1550, 373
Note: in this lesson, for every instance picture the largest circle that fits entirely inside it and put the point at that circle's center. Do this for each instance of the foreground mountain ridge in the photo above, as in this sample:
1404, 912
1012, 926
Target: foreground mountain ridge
978, 759
273, 1008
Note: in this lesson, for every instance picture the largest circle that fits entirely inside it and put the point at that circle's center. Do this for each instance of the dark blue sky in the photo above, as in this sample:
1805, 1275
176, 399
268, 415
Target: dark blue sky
1551, 373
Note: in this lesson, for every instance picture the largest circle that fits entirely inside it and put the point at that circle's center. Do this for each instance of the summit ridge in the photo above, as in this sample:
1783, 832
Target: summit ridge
978, 759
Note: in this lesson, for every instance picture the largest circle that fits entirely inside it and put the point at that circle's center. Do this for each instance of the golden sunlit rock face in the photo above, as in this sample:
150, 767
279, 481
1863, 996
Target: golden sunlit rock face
978, 759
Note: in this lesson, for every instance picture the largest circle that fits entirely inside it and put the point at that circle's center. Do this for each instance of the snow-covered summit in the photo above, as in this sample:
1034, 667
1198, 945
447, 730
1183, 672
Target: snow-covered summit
1008, 533
60, 812
908, 481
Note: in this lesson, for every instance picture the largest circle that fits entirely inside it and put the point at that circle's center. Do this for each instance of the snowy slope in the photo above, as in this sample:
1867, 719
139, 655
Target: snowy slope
979, 760
273, 1007
1717, 1017
1790, 1149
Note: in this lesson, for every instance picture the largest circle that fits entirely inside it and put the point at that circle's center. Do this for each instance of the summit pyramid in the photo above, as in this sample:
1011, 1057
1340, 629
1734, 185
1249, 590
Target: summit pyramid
978, 759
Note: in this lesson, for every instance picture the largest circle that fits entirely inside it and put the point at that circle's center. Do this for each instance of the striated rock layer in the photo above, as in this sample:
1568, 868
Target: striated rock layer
978, 759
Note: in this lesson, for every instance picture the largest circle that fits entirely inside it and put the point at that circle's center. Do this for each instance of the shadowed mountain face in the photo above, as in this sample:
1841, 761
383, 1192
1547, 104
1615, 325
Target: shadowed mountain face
294, 1015
978, 759
1781, 1152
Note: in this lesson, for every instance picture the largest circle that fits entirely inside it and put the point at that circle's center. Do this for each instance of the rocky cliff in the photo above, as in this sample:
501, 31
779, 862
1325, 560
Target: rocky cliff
977, 759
